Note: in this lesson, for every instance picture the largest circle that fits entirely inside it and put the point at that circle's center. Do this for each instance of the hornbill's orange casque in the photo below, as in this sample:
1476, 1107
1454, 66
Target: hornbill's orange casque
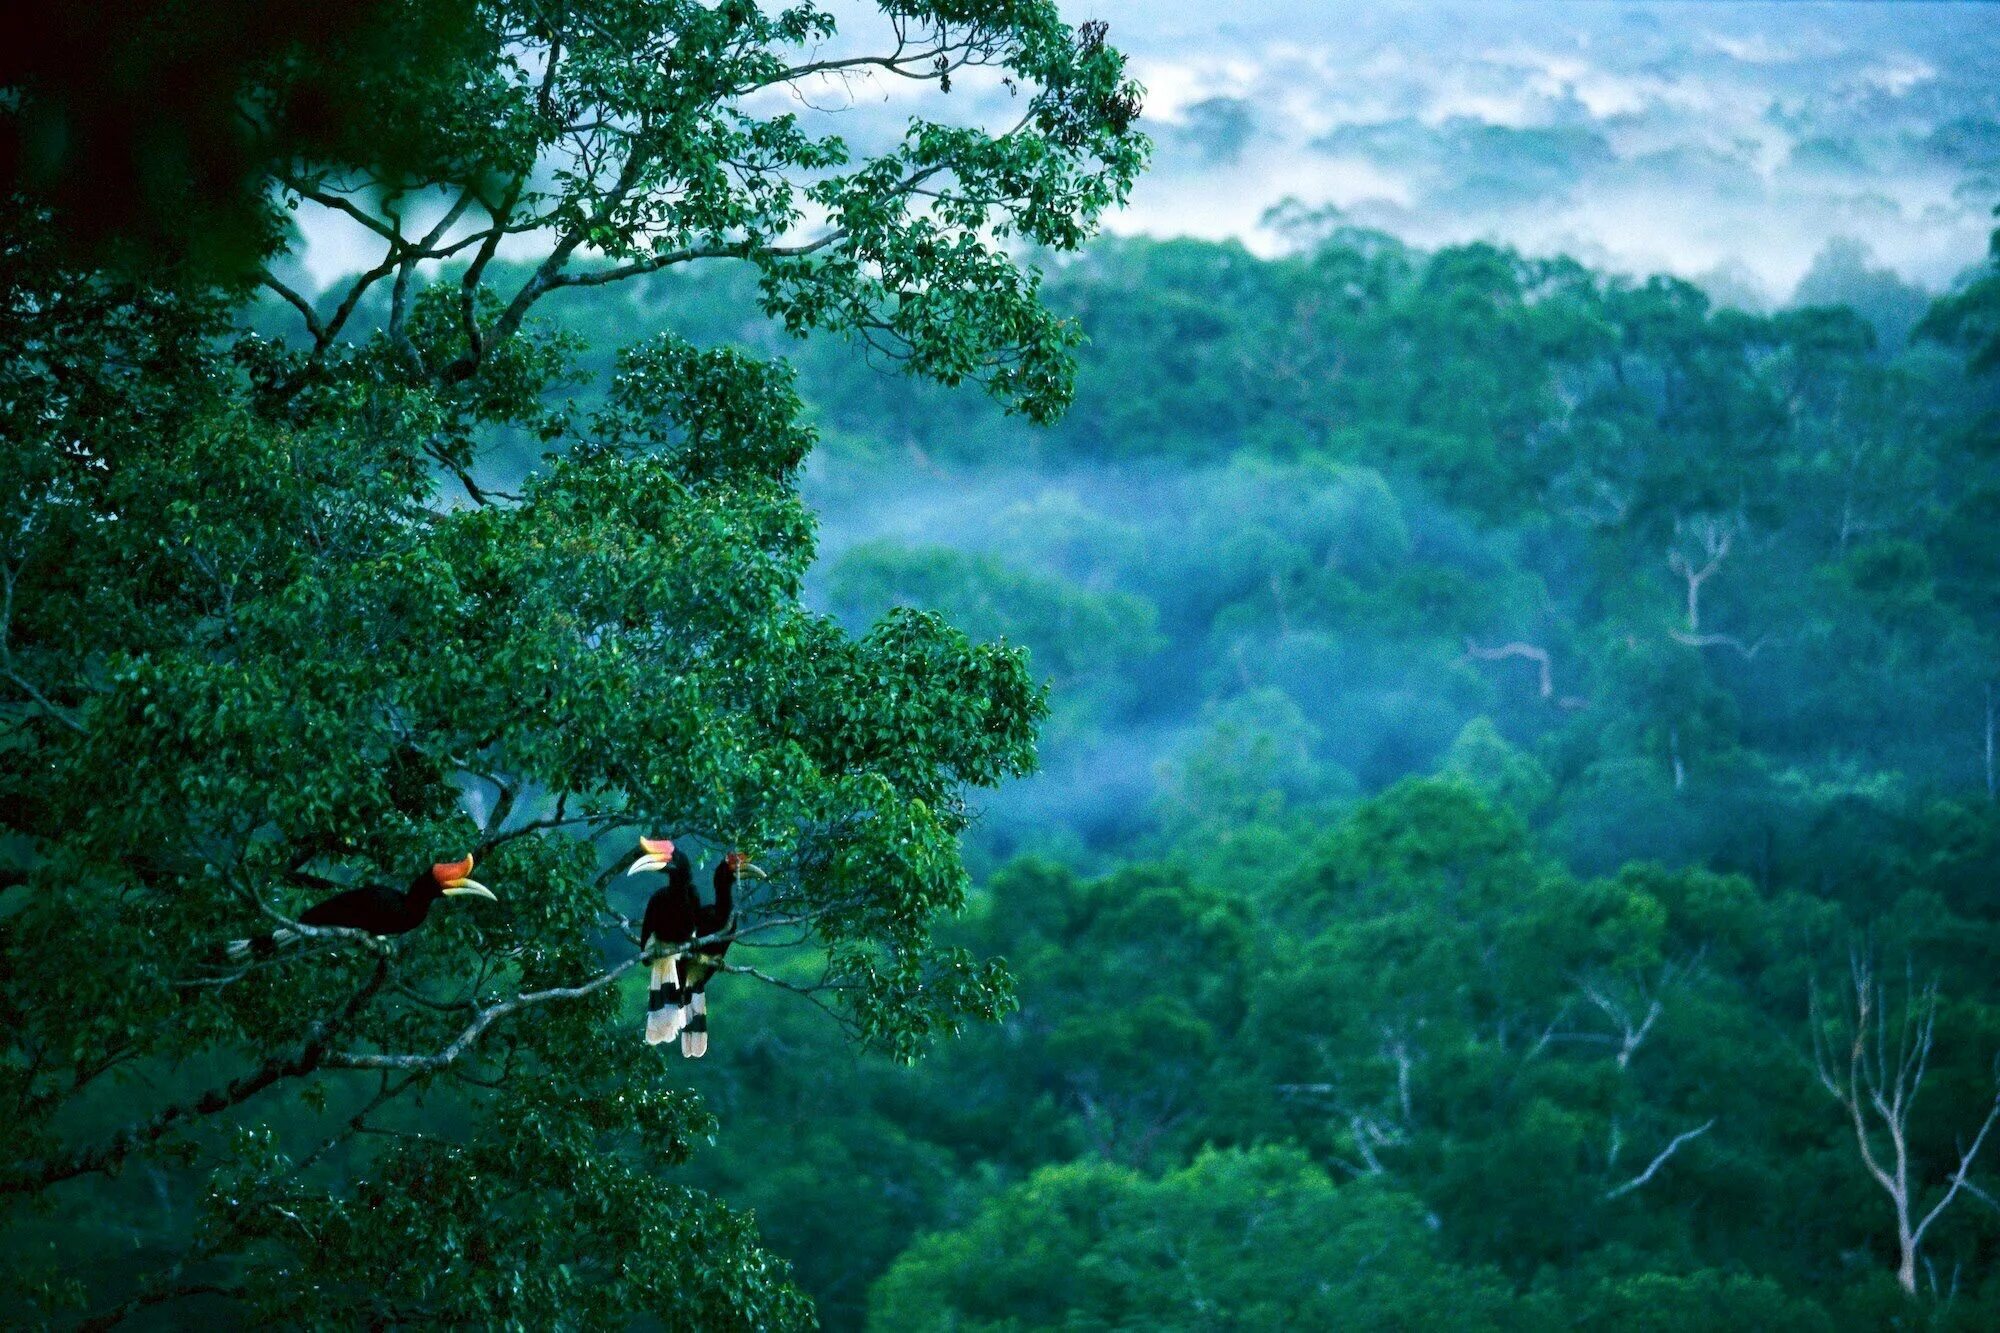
717, 918
670, 919
374, 908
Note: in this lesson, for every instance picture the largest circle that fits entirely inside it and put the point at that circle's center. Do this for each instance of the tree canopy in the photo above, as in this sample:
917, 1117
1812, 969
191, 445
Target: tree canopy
266, 633
1516, 825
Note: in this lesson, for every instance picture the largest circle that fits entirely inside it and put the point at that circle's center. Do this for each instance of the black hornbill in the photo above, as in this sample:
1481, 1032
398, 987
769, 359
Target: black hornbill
670, 919
373, 908
717, 918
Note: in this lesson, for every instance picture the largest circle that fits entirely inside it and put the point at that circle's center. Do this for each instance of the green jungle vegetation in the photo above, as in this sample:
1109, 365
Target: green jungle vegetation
1514, 844
1519, 786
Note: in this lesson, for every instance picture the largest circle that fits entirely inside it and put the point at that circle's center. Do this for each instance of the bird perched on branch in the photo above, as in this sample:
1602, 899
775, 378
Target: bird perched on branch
712, 919
374, 908
670, 919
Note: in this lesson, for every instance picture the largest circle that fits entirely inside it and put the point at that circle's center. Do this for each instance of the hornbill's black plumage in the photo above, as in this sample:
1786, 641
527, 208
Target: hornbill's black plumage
711, 919
670, 919
375, 908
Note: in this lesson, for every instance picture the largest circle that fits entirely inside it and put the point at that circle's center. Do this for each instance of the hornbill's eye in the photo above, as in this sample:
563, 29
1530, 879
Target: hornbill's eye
654, 855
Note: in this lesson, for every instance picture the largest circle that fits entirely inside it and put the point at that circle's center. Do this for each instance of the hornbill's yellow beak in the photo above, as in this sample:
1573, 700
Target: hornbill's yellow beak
656, 853
456, 878
753, 871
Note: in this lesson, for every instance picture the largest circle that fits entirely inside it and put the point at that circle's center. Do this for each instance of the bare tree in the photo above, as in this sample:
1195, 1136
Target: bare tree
1380, 1120
1714, 537
1710, 539
1874, 1067
1636, 1003
1631, 1002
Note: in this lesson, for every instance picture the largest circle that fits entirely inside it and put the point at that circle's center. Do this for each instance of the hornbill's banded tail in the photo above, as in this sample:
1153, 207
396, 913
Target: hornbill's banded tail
669, 918
715, 919
373, 908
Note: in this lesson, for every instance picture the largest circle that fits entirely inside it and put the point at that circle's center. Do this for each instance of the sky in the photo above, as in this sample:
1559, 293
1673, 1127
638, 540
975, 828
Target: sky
1726, 142
1731, 142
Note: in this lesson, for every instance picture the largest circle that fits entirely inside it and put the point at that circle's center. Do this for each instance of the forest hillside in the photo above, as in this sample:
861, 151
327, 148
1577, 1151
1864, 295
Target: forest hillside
1506, 717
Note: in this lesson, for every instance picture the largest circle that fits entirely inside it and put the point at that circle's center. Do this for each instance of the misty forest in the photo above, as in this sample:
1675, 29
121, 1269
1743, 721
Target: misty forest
679, 665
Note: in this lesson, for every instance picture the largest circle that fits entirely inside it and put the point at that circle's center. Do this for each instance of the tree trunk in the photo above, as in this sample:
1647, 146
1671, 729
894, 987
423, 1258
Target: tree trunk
1990, 790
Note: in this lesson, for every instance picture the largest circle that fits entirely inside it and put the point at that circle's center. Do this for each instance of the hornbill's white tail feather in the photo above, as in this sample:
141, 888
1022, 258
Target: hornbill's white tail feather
260, 946
694, 1036
666, 1015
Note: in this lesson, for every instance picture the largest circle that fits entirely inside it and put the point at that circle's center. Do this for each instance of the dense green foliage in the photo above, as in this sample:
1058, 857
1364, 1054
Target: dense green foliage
265, 633
1404, 812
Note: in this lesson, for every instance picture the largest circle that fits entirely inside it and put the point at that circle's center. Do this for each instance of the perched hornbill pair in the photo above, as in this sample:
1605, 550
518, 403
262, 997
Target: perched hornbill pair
375, 908
677, 1002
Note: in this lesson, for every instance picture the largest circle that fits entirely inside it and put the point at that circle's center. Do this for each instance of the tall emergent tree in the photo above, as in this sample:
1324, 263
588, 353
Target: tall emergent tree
267, 624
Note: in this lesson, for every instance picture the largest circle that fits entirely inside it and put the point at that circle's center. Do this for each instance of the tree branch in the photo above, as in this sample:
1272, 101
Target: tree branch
118, 1314
1749, 651
473, 1031
107, 1156
1653, 1168
9, 576
720, 250
1539, 656
42, 701
1965, 1162
299, 303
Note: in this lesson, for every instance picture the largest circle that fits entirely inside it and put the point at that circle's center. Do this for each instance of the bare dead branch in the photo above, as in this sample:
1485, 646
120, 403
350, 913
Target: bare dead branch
1665, 1154
1539, 656
483, 1019
1748, 651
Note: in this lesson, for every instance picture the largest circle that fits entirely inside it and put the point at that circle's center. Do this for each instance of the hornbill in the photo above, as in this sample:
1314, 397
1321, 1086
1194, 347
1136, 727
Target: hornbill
714, 919
670, 919
373, 908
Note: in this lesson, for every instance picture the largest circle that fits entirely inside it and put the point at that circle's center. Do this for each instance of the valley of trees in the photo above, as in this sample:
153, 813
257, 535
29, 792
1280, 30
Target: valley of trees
1514, 842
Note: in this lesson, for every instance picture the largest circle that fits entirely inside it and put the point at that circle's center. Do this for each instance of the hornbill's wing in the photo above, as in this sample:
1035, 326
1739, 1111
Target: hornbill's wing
365, 908
653, 925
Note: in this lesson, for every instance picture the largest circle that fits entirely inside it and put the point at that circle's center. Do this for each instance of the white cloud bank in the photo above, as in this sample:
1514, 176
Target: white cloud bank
1678, 137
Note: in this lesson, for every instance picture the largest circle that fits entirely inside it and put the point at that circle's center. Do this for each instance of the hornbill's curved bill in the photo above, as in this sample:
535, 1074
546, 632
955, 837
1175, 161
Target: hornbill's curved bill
715, 919
654, 854
374, 908
669, 918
